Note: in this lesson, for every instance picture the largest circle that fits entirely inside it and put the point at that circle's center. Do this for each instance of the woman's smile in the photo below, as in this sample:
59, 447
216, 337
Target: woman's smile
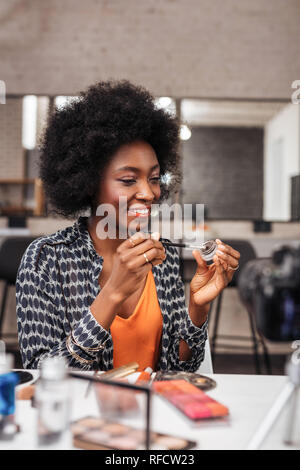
139, 211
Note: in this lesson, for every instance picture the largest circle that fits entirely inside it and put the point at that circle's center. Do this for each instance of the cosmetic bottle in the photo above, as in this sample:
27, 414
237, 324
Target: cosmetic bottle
208, 250
52, 400
8, 382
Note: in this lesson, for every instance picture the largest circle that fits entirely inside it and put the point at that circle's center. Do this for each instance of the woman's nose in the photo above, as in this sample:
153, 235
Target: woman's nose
145, 192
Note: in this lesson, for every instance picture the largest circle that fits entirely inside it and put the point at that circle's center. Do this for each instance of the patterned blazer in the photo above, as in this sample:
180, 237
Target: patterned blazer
57, 282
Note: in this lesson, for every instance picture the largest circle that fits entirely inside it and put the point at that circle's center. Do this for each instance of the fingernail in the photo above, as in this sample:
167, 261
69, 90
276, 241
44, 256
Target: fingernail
222, 247
220, 252
155, 235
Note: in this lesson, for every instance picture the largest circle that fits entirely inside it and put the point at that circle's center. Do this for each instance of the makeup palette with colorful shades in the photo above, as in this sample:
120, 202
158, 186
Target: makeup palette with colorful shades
93, 433
194, 403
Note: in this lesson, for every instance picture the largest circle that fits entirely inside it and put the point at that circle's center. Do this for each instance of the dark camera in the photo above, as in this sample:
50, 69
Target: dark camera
271, 289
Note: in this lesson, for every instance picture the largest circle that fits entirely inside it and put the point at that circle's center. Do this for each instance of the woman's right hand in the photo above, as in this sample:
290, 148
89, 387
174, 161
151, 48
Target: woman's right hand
130, 266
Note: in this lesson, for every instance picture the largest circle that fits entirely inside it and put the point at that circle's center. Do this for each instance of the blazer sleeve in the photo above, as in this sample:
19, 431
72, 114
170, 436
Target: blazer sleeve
40, 314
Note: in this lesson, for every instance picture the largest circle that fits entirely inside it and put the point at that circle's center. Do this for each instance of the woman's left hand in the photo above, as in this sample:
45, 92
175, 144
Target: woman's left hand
210, 280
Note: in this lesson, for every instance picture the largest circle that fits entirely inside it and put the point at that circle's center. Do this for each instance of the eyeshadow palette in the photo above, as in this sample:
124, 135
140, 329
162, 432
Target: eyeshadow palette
200, 381
194, 403
93, 433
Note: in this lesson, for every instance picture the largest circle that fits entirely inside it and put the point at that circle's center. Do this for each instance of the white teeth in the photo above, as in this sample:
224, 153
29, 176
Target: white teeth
142, 211
139, 212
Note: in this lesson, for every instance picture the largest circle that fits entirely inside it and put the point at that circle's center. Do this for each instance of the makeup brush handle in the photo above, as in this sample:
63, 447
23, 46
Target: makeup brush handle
182, 245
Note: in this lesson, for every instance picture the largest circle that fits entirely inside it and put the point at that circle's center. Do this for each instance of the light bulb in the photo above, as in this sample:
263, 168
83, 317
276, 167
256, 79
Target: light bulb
185, 132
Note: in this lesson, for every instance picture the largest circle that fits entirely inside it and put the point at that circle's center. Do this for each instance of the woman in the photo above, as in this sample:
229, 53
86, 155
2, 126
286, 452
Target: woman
103, 302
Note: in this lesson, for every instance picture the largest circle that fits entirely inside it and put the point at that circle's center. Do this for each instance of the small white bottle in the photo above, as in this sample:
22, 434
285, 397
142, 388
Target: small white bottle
53, 403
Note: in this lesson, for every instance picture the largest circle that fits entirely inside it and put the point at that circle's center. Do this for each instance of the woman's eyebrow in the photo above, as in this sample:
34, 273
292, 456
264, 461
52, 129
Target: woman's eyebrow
134, 169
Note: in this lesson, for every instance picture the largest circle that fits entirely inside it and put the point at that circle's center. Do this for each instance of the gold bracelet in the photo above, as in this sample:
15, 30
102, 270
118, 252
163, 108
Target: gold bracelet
73, 353
98, 348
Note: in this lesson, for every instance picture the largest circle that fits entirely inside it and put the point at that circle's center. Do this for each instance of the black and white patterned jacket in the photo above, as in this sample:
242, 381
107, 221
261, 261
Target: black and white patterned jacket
56, 284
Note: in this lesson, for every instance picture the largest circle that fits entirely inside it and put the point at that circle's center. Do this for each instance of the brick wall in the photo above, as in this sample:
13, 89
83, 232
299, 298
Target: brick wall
11, 139
184, 48
11, 152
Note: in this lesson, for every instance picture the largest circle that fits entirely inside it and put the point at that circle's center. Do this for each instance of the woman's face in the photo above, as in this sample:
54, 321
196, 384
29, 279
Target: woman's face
133, 174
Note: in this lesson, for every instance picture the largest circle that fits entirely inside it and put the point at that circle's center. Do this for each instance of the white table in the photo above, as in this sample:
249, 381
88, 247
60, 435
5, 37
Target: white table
249, 398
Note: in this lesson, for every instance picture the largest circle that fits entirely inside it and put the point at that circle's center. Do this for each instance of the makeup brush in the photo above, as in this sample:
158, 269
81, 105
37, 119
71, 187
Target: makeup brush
207, 249
121, 371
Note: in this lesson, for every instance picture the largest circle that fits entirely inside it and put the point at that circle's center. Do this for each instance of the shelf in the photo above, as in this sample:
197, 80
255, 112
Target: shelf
39, 197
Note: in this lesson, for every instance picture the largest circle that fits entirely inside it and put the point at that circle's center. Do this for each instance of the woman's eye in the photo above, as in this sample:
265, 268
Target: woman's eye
132, 181
128, 182
155, 179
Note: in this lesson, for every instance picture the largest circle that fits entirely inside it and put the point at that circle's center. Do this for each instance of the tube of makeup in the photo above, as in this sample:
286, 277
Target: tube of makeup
139, 377
132, 378
145, 376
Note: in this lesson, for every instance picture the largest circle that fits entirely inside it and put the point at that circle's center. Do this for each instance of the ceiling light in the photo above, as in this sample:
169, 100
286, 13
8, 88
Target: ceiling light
185, 132
163, 102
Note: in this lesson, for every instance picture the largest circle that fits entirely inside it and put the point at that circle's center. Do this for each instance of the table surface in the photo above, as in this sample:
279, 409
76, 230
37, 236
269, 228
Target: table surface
248, 397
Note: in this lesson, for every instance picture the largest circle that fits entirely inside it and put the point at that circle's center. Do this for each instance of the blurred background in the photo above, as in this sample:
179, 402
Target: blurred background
229, 70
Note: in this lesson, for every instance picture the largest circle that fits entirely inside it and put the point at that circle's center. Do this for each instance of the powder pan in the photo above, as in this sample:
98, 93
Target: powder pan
200, 381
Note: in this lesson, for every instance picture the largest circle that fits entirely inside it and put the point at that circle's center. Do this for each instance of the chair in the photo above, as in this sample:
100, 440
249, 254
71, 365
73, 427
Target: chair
11, 252
247, 254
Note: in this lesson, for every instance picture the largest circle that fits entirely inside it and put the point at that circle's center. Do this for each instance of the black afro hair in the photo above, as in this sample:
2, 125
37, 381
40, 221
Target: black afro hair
82, 136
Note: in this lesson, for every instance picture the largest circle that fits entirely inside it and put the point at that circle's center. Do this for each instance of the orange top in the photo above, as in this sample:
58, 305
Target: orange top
137, 338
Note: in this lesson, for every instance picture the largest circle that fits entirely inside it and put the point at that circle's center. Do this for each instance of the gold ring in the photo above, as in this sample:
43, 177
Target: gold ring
145, 256
234, 269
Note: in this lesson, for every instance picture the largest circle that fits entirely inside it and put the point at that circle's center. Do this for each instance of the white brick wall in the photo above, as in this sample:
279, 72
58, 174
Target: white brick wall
184, 48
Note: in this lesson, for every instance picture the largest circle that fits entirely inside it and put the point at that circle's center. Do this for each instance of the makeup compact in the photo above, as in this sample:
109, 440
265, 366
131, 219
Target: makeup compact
93, 433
